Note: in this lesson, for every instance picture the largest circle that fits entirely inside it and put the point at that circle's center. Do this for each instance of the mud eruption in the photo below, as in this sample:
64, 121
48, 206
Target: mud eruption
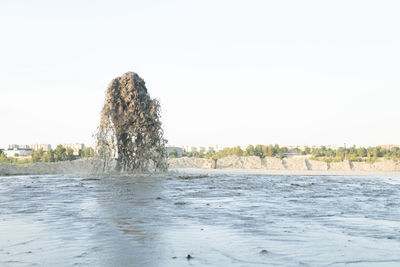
130, 128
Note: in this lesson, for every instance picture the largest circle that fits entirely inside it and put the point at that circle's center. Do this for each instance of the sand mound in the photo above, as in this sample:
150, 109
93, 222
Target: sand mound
252, 162
87, 166
65, 167
186, 162
294, 163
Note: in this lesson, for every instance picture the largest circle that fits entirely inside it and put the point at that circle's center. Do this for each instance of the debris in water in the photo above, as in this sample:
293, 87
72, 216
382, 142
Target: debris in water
130, 128
90, 179
187, 177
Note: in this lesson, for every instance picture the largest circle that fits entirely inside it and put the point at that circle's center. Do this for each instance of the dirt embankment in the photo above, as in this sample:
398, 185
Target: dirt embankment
231, 162
64, 167
294, 163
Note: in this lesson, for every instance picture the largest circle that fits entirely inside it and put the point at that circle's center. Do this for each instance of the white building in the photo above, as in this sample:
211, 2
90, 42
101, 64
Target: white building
45, 147
75, 147
201, 149
15, 146
190, 149
210, 149
389, 146
16, 152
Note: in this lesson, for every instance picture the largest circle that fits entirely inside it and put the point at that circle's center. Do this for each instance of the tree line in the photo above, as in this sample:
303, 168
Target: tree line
354, 154
60, 153
367, 154
261, 151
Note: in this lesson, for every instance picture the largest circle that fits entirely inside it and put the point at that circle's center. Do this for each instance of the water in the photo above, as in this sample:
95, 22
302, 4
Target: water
130, 128
220, 220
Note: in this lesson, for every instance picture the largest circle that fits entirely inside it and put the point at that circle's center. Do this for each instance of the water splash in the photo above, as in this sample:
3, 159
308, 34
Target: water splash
130, 129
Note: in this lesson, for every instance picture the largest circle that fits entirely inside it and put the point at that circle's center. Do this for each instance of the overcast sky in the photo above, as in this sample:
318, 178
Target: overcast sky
226, 72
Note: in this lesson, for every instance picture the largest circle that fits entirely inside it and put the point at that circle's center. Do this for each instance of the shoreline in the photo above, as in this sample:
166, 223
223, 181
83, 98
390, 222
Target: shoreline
288, 165
230, 165
284, 172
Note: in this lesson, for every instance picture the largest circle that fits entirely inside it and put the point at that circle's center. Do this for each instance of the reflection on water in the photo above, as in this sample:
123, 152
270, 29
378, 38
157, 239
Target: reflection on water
222, 220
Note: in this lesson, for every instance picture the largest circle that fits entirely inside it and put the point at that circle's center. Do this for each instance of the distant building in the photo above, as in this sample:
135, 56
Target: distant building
210, 149
45, 147
388, 146
201, 149
190, 149
75, 147
179, 150
14, 146
17, 152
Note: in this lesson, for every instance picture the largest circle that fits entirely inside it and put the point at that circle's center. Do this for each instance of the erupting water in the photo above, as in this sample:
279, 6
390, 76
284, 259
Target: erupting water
130, 128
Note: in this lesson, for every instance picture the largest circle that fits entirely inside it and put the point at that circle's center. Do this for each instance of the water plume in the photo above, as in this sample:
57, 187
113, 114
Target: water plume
130, 128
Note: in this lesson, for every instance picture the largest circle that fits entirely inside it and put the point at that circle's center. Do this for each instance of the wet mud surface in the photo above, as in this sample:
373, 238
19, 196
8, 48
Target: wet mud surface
217, 220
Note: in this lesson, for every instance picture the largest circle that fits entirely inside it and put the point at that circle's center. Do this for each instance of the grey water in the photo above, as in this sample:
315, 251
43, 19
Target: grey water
220, 220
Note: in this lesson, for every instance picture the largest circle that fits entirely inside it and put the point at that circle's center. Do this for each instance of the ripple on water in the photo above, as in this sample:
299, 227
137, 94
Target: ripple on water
217, 219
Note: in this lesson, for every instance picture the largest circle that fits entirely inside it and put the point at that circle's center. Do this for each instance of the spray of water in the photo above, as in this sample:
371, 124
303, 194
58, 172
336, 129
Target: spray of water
130, 129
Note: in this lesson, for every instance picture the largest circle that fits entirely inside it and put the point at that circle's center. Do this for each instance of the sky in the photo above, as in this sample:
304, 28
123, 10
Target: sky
226, 72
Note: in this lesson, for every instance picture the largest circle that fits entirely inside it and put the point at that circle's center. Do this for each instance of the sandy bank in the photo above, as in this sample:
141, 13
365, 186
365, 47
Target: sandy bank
231, 171
64, 167
298, 164
231, 164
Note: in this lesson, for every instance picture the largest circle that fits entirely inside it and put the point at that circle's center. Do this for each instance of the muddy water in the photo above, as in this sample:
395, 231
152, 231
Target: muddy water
221, 220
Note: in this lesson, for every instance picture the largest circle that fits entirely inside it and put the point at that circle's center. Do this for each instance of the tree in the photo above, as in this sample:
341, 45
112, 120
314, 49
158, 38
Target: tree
3, 157
34, 156
37, 155
48, 156
237, 151
250, 150
211, 155
284, 149
59, 153
69, 154
270, 151
173, 153
258, 151
362, 152
86, 152
307, 150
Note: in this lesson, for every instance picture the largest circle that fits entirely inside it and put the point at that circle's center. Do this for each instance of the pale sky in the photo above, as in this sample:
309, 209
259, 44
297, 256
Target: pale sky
226, 72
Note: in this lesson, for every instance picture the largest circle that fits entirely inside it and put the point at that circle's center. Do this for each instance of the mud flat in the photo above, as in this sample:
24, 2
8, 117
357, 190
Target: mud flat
218, 219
